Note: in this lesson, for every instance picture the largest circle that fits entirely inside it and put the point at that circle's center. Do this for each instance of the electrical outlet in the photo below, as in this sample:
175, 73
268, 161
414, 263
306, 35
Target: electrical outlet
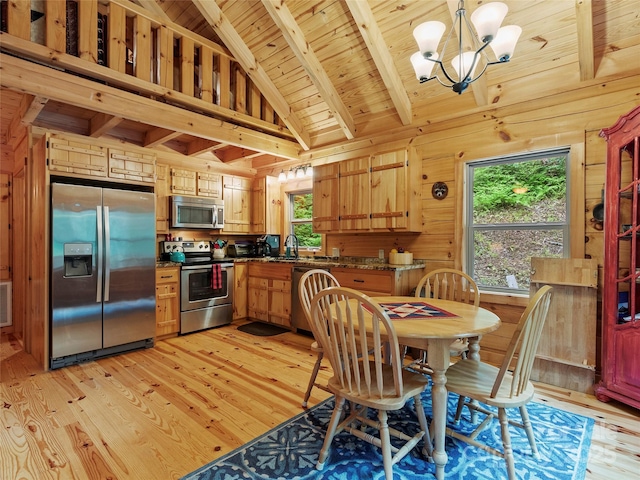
335, 252
381, 254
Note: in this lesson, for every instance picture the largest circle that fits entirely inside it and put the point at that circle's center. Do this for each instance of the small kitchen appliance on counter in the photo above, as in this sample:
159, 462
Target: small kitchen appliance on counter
268, 246
242, 249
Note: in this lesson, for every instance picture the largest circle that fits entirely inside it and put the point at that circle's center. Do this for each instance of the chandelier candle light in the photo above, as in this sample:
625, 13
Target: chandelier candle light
486, 20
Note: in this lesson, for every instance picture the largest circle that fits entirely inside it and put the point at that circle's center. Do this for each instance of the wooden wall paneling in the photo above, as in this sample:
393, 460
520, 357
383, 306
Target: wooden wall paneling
161, 191
5, 222
142, 48
575, 209
19, 272
56, 25
88, 30
36, 341
117, 43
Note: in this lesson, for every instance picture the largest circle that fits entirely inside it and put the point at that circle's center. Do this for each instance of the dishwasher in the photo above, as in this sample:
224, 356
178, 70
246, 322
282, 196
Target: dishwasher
298, 318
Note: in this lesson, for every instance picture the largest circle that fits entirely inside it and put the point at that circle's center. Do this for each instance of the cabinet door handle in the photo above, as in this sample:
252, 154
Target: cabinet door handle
358, 281
166, 276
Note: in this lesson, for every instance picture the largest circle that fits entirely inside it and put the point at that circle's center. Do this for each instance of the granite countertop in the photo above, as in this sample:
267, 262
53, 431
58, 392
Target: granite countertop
167, 264
343, 262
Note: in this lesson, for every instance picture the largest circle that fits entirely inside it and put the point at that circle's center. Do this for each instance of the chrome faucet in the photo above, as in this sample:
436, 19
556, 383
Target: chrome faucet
291, 239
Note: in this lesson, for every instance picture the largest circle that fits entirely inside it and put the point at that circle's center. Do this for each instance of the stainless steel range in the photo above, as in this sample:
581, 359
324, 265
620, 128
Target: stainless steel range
206, 286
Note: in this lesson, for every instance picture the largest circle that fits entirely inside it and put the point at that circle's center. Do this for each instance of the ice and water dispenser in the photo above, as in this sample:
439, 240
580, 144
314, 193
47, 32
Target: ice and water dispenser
77, 259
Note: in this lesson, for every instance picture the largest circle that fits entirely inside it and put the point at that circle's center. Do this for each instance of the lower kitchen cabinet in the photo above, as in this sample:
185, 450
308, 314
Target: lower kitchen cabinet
240, 272
269, 293
377, 283
167, 301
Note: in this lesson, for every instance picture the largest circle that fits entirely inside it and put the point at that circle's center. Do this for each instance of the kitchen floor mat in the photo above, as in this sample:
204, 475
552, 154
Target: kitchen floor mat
262, 329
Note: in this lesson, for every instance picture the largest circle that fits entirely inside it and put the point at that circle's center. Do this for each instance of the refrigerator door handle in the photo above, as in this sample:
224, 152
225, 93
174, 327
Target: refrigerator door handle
107, 254
100, 254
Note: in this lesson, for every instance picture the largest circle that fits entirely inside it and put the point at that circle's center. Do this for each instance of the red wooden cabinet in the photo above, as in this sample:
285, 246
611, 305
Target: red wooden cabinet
621, 294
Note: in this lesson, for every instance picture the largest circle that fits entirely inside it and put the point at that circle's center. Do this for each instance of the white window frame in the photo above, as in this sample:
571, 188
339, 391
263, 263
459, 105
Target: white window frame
293, 221
471, 228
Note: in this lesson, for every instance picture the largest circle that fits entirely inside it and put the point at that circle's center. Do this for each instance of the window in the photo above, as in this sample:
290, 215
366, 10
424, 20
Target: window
516, 209
301, 204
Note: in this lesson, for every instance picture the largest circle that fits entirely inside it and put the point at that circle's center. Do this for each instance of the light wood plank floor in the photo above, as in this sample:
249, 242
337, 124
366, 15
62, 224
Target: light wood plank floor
164, 412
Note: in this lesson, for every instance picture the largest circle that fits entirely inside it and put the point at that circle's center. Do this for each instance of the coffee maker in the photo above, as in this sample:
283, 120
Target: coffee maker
268, 246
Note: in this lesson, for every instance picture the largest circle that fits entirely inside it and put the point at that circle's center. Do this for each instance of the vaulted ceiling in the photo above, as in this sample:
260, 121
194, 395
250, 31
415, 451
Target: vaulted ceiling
337, 71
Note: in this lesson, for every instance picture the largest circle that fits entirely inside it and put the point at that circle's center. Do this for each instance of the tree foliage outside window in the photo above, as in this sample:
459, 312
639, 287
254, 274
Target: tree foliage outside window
517, 209
301, 220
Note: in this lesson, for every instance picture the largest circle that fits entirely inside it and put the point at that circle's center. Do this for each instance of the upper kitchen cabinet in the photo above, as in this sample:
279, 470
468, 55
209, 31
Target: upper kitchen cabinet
183, 182
132, 166
379, 192
266, 206
326, 202
395, 192
355, 198
209, 184
77, 156
236, 193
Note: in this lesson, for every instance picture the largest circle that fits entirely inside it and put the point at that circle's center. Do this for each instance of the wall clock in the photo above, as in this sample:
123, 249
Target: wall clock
439, 190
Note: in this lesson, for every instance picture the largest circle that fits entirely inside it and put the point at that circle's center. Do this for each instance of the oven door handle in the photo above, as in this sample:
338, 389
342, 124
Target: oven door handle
206, 268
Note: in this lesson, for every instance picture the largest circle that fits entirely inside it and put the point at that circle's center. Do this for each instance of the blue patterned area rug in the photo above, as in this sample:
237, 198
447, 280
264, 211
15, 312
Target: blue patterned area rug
290, 450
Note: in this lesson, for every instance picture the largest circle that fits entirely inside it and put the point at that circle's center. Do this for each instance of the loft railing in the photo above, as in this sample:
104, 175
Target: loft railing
120, 43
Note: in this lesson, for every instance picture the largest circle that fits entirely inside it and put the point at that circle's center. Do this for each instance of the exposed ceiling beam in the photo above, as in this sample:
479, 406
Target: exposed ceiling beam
233, 154
101, 123
154, 8
23, 76
363, 16
33, 110
16, 129
157, 136
479, 87
227, 33
199, 146
303, 51
584, 23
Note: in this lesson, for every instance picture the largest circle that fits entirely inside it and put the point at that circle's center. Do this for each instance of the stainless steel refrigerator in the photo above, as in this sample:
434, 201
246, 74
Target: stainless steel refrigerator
102, 272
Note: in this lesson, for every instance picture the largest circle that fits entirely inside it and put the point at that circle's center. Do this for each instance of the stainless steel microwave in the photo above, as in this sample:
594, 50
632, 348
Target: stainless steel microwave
196, 212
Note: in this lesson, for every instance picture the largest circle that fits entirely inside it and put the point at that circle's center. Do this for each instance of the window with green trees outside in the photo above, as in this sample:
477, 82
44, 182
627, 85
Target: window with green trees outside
516, 210
301, 220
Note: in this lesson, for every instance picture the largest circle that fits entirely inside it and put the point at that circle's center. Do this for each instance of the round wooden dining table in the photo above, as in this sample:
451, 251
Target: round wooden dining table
431, 324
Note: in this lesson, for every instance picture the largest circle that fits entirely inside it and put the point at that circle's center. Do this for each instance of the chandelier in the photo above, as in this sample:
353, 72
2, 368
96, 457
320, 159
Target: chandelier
486, 20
